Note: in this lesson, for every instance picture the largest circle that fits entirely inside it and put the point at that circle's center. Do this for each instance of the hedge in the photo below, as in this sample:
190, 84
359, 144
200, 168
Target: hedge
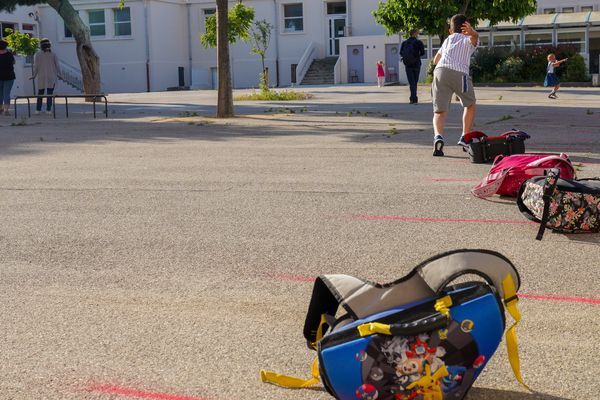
500, 65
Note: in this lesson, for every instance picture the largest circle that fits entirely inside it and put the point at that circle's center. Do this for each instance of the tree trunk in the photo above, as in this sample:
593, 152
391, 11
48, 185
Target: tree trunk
465, 7
88, 59
225, 93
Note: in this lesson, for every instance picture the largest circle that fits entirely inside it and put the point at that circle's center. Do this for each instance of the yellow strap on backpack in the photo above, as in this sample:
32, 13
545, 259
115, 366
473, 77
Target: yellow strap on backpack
511, 300
293, 382
290, 381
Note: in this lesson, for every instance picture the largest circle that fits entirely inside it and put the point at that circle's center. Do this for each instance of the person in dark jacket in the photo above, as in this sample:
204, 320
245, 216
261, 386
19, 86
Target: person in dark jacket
411, 51
7, 77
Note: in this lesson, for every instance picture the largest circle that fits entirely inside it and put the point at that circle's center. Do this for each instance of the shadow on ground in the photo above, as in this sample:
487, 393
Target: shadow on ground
356, 123
494, 394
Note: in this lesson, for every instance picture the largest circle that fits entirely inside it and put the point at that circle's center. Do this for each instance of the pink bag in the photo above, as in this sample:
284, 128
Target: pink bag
509, 172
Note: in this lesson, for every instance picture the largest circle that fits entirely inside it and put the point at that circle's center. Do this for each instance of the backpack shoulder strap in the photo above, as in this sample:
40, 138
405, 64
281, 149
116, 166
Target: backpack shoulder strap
440, 270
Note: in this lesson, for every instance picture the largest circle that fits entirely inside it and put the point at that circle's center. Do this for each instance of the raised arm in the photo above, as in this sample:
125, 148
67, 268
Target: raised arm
557, 63
468, 30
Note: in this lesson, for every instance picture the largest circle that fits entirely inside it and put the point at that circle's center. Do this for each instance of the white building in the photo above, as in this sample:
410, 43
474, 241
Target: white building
152, 45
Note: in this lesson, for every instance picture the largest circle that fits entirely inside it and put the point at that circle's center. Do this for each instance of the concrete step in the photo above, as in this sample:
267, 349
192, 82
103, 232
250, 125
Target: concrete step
320, 72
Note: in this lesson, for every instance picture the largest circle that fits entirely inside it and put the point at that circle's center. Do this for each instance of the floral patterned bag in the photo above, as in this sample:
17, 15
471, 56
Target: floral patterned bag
567, 206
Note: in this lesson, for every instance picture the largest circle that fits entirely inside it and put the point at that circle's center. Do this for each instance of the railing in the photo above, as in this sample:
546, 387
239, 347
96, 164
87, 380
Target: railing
337, 71
305, 61
71, 75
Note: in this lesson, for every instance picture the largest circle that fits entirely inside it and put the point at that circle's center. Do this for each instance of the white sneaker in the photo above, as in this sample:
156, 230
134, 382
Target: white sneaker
37, 112
48, 112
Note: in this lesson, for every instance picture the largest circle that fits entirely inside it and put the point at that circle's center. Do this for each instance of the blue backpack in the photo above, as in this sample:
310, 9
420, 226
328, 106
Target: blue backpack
418, 338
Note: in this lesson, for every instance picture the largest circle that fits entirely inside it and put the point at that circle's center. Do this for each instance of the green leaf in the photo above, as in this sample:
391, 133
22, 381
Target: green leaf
239, 19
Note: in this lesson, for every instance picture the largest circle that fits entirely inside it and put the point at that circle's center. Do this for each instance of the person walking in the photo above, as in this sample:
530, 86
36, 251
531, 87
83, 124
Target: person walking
451, 77
7, 77
411, 51
551, 78
380, 73
46, 71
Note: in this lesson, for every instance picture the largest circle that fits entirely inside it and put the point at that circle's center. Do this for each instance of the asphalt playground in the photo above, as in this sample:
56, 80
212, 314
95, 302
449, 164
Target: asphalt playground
164, 254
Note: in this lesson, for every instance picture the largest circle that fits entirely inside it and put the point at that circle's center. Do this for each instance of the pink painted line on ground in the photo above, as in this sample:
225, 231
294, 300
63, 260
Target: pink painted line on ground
137, 393
566, 299
560, 298
414, 219
453, 180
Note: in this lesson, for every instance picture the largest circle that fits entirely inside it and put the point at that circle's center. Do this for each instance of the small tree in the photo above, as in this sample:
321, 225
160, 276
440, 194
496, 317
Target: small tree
261, 36
22, 44
227, 27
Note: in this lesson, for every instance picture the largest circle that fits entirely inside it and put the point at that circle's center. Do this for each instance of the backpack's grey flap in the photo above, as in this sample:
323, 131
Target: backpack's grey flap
362, 298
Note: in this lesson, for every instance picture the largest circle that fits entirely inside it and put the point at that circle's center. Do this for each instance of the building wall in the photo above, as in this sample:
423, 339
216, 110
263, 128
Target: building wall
122, 59
246, 66
168, 34
559, 5
363, 22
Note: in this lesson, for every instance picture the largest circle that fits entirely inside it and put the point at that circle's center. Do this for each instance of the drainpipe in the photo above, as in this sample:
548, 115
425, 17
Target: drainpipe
349, 17
189, 20
147, 30
276, 42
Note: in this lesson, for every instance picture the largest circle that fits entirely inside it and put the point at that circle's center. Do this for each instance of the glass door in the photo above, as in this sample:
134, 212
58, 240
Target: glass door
337, 28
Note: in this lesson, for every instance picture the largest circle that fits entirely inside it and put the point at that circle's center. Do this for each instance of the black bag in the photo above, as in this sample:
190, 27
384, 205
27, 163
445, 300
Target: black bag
408, 52
567, 206
487, 148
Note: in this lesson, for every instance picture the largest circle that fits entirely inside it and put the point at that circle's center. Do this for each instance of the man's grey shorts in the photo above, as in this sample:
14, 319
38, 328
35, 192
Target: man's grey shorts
447, 82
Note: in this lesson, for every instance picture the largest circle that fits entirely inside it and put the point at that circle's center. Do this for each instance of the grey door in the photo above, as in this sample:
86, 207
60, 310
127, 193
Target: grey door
356, 64
392, 61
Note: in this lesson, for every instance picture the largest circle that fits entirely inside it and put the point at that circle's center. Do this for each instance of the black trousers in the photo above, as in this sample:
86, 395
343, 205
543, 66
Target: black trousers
49, 91
412, 74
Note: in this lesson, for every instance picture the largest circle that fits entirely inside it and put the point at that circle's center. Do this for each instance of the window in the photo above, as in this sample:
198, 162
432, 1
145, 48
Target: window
435, 45
336, 8
208, 12
549, 10
96, 21
28, 27
4, 26
576, 39
568, 9
587, 8
122, 18
484, 40
293, 20
538, 39
508, 40
68, 33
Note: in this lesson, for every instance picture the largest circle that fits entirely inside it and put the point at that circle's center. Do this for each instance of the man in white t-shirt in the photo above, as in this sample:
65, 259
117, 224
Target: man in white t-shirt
451, 77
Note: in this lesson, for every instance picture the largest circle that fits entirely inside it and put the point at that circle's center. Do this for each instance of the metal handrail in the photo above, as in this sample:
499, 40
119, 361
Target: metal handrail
71, 75
305, 62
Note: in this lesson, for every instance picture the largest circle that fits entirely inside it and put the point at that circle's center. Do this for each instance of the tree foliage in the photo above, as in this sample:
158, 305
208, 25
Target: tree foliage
21, 43
240, 19
432, 15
